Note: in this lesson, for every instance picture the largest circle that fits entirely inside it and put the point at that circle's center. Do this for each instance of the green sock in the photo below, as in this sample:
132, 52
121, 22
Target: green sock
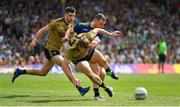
108, 71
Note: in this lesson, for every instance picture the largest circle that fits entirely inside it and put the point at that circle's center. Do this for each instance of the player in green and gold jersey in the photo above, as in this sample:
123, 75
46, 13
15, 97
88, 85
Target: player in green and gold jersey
98, 21
79, 52
57, 29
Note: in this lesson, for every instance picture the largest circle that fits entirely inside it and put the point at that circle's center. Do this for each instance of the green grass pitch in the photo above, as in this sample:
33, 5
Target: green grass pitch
56, 90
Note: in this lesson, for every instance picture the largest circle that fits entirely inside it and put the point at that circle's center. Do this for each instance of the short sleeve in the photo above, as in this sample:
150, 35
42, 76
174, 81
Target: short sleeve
100, 36
51, 25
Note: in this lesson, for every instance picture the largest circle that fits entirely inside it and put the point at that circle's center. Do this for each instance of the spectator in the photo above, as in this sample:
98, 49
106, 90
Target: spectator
141, 24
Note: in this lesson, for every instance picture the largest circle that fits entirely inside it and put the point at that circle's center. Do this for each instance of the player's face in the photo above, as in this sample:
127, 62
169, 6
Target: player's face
69, 17
100, 23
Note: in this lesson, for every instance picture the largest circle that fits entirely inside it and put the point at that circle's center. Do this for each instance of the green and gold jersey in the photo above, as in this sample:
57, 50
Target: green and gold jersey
58, 28
72, 52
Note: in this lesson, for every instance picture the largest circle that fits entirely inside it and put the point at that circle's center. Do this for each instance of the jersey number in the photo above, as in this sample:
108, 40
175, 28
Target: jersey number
72, 42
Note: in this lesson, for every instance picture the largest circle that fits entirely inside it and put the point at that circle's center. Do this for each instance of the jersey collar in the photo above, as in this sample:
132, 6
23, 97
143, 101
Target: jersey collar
65, 21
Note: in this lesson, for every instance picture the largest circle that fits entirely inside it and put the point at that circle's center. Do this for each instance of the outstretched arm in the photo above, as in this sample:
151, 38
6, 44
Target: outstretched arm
67, 70
96, 40
38, 36
104, 32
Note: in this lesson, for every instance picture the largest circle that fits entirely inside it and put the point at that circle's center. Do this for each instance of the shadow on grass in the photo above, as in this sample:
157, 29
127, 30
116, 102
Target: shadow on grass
19, 96
14, 96
66, 98
63, 100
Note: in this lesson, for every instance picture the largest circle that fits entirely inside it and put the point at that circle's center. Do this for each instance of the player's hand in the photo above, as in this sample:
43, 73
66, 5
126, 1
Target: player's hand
115, 33
65, 39
32, 45
76, 82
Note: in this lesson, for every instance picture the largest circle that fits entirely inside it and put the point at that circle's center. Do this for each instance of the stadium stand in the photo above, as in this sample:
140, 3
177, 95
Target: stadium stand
141, 21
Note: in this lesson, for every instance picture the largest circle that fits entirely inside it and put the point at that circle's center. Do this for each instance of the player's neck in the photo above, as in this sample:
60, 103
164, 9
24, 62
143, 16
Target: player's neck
92, 25
66, 22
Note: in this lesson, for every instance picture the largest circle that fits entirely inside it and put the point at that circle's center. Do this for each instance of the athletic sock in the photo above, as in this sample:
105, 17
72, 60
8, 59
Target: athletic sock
78, 87
96, 92
108, 70
103, 85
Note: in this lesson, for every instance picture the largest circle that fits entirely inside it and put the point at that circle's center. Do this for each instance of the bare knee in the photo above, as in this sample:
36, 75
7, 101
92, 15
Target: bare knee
91, 75
107, 58
96, 68
103, 62
42, 73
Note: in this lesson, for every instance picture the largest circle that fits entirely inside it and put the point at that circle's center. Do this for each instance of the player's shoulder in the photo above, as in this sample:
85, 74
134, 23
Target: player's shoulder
61, 19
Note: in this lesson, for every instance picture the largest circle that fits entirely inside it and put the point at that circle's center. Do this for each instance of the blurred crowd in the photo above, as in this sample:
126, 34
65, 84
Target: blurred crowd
142, 22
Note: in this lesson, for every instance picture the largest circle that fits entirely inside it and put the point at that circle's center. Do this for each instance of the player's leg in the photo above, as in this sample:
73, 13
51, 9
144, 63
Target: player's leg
48, 64
39, 72
163, 62
59, 60
159, 67
101, 60
43, 71
108, 59
162, 67
96, 69
84, 67
162, 59
159, 63
102, 73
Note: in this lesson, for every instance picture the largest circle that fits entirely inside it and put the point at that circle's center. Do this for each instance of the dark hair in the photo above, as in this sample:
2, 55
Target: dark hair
83, 42
70, 10
100, 16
